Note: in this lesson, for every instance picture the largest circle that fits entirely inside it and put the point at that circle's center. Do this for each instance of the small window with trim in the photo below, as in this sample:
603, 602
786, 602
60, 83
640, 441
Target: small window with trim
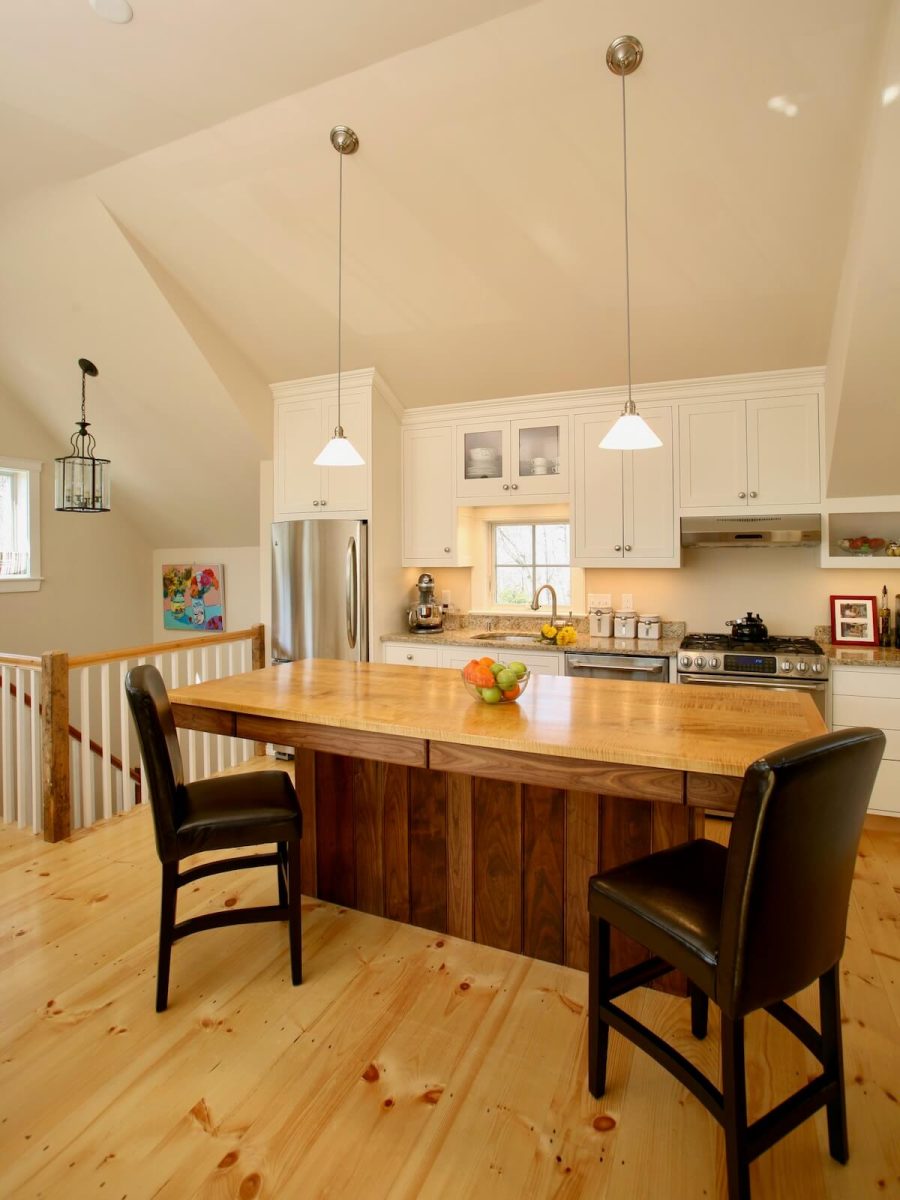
526, 555
20, 558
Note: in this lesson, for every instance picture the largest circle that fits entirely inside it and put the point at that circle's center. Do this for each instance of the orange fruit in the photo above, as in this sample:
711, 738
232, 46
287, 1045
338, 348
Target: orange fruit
482, 677
512, 693
486, 662
470, 668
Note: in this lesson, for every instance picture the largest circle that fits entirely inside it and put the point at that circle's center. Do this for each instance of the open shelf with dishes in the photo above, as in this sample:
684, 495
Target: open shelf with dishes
862, 533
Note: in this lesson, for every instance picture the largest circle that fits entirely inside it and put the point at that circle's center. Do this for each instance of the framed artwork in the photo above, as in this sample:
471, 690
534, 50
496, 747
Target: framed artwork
192, 598
854, 621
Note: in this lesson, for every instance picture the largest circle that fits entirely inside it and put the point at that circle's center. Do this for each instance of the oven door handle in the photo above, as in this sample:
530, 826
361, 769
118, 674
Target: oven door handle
583, 666
796, 685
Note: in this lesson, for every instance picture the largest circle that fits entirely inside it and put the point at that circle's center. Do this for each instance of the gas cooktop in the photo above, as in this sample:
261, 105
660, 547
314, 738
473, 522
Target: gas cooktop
730, 657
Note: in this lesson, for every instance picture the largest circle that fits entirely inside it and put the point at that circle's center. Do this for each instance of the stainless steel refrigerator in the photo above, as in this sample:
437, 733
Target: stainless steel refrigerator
320, 590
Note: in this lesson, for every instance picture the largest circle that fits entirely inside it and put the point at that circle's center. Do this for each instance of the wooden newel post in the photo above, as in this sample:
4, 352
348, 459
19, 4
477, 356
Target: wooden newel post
258, 660
55, 745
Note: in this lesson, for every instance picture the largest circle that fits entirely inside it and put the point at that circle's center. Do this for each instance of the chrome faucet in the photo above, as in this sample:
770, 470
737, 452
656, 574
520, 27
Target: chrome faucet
536, 600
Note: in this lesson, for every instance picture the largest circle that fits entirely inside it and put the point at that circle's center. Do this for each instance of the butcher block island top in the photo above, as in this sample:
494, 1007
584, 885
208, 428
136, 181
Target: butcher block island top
667, 726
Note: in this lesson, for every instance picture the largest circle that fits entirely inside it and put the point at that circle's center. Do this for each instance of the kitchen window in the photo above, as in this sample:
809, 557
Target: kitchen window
525, 555
20, 546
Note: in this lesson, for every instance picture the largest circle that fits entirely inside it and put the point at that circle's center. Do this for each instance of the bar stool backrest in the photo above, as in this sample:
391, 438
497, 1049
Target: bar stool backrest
155, 726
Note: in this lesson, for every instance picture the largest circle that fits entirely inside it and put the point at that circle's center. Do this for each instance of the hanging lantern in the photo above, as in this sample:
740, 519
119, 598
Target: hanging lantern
81, 479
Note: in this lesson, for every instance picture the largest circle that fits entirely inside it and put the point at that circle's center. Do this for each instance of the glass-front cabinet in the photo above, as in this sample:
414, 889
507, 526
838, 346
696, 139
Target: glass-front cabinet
509, 460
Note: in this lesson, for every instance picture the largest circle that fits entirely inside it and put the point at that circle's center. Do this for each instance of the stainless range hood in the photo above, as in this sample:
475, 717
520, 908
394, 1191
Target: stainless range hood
742, 533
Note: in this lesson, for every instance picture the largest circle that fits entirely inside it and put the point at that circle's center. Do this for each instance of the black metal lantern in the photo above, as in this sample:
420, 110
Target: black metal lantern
81, 480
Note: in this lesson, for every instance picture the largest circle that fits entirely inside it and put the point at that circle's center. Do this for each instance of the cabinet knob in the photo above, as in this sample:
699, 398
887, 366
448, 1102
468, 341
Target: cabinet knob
324, 502
409, 658
627, 547
742, 495
617, 547
315, 504
446, 549
753, 495
515, 487
506, 487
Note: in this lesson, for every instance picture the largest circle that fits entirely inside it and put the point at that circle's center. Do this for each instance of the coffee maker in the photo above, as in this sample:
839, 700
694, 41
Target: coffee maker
426, 616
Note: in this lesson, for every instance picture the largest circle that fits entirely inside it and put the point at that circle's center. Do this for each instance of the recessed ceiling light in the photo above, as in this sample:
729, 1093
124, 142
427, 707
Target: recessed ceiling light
118, 11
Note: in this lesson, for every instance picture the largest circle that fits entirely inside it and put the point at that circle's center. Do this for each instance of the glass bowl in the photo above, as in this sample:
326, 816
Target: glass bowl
497, 694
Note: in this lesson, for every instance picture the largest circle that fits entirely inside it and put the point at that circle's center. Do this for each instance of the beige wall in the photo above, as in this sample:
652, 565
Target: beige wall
94, 595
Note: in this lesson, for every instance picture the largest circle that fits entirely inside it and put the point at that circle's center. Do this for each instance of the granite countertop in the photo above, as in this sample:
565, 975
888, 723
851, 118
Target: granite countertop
862, 656
584, 643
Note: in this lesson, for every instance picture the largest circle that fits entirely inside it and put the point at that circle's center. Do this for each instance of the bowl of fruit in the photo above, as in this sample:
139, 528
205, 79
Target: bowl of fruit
862, 545
495, 682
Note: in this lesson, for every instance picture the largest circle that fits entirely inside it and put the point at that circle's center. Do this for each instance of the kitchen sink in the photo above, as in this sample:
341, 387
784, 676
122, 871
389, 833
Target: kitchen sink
511, 639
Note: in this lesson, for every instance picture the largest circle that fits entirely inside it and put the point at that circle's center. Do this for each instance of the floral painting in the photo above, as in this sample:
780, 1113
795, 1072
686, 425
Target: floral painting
192, 597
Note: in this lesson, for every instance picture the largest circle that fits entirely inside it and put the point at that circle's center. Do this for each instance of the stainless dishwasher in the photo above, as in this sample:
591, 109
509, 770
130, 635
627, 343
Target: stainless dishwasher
639, 668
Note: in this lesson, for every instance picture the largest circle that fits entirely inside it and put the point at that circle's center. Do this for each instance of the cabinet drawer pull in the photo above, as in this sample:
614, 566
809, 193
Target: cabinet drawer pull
506, 487
753, 495
324, 502
409, 658
742, 495
446, 549
515, 487
617, 548
315, 504
627, 547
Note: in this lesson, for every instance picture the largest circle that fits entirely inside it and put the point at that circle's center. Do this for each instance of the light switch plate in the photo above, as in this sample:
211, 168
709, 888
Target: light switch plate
627, 601
604, 600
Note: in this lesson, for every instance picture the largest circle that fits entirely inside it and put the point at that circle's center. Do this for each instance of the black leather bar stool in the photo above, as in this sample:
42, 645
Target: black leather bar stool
749, 926
224, 813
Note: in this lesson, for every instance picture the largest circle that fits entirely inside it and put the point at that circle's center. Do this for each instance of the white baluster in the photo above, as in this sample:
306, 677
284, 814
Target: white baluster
106, 740
75, 782
207, 737
37, 806
88, 807
6, 746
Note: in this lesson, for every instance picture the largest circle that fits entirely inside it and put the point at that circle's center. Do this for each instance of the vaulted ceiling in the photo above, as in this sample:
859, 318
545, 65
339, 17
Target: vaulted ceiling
171, 212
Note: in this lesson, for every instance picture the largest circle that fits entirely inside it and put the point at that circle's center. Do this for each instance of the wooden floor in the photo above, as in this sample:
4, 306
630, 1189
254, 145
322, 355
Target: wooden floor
407, 1065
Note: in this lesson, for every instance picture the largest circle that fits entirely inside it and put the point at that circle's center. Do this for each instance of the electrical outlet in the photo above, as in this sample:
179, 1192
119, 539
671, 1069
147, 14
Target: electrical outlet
604, 600
627, 602
593, 601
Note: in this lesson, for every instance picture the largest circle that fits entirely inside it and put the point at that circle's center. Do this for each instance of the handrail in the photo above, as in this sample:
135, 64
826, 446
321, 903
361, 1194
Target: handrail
90, 660
20, 660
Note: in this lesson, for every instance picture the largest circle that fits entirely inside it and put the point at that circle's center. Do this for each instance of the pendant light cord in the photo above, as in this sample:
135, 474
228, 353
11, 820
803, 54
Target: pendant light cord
340, 255
83, 417
630, 404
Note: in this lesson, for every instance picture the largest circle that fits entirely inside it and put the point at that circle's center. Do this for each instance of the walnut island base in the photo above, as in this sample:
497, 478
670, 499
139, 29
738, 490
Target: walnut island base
486, 822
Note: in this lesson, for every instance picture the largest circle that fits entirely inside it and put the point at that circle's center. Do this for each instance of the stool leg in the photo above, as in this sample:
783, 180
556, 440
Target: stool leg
166, 929
294, 929
833, 1061
282, 870
699, 1011
598, 989
734, 1097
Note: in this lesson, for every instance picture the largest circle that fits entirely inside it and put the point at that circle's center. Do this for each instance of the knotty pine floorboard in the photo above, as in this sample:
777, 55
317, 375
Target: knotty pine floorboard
407, 1065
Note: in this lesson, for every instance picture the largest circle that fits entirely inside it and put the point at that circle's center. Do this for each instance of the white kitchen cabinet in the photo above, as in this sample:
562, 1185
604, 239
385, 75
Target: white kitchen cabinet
624, 501
432, 532
548, 663
871, 696
758, 452
508, 461
408, 654
302, 427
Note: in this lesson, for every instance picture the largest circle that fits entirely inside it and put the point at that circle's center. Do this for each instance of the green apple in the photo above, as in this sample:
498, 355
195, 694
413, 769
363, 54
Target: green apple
506, 679
496, 668
491, 695
518, 668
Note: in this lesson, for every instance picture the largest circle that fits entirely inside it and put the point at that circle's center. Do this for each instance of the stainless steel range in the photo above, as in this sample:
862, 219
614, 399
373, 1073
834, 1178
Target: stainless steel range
785, 663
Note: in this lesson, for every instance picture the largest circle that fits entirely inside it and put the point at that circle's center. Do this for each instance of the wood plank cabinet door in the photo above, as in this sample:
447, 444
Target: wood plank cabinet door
783, 450
300, 486
597, 511
713, 454
649, 498
429, 507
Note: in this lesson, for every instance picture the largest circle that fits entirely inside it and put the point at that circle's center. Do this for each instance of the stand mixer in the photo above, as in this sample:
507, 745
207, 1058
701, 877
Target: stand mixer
426, 616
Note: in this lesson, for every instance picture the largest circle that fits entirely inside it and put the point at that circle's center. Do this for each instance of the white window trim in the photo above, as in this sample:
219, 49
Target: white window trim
577, 606
32, 581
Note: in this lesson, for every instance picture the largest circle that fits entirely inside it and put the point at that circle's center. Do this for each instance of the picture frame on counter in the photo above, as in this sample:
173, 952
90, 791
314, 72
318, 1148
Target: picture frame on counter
854, 621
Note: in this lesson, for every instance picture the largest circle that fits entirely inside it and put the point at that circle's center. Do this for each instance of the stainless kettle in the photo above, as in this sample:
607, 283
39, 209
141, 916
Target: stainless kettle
749, 629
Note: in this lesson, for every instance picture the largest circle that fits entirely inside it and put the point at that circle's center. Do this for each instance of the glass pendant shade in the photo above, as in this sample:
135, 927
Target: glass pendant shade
339, 452
81, 480
630, 432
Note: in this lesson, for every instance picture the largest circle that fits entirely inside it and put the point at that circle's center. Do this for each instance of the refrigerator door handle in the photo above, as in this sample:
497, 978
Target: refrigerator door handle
352, 594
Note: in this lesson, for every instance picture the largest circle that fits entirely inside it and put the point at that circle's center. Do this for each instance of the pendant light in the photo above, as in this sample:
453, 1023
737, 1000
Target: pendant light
631, 431
81, 480
340, 451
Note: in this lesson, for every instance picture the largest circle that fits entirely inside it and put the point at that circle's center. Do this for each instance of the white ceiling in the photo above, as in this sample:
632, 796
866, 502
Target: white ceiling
173, 208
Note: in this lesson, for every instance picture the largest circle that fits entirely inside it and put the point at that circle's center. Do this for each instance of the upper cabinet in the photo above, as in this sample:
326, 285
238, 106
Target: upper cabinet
505, 461
432, 534
624, 501
761, 452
